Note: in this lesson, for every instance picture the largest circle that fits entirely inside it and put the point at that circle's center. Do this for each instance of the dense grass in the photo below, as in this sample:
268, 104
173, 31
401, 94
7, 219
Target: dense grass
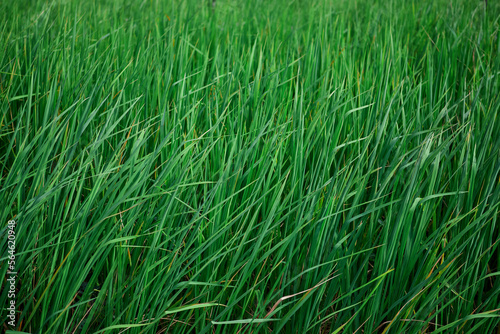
254, 167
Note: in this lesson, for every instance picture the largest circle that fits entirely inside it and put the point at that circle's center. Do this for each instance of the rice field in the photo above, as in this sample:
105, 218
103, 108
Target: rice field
287, 166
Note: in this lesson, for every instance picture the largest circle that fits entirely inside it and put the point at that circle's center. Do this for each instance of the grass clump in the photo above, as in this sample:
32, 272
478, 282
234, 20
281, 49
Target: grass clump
251, 167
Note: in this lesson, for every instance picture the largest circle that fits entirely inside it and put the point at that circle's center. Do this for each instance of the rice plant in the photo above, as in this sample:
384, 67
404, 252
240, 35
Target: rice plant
321, 166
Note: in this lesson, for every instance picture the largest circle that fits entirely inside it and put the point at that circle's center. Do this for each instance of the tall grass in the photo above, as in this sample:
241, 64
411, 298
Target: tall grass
258, 166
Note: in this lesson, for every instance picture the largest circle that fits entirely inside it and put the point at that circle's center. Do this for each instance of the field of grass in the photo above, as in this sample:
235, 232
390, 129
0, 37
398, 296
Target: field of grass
287, 166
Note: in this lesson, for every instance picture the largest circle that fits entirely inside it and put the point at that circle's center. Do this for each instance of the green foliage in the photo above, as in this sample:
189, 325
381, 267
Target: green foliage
252, 167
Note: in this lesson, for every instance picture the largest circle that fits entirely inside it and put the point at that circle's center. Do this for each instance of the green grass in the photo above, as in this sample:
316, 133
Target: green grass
262, 166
